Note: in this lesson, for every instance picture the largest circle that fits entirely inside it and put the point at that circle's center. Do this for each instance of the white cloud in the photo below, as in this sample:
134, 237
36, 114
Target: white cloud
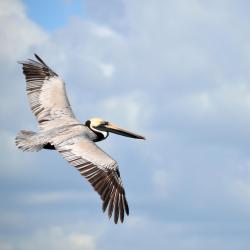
107, 69
162, 182
5, 245
241, 188
18, 33
238, 186
178, 69
227, 96
56, 238
14, 163
102, 31
82, 241
18, 36
56, 197
132, 109
11, 218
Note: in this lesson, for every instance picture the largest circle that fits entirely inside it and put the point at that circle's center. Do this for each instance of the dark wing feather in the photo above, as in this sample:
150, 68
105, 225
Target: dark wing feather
100, 170
47, 95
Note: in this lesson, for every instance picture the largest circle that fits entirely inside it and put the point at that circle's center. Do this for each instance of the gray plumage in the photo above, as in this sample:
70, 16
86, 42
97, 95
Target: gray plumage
59, 129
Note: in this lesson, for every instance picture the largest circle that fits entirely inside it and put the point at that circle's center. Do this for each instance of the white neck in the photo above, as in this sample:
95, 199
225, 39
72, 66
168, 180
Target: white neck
98, 132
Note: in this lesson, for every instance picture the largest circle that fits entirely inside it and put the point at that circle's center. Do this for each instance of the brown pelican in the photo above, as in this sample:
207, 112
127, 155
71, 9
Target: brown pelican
60, 130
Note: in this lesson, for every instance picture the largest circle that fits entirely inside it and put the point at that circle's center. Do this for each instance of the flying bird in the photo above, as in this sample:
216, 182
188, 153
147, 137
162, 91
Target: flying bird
60, 130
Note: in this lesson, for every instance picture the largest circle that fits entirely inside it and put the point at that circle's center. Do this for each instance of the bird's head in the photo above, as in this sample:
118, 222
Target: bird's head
102, 129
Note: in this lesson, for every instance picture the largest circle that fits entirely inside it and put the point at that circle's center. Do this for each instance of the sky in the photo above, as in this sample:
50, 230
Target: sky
176, 72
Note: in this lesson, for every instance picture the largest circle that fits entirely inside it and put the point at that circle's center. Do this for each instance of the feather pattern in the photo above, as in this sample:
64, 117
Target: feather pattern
100, 170
60, 130
47, 95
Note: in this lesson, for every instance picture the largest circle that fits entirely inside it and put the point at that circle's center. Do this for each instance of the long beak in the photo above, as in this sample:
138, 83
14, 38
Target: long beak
115, 129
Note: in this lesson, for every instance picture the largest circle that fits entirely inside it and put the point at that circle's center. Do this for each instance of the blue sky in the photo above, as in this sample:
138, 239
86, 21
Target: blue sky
174, 71
52, 15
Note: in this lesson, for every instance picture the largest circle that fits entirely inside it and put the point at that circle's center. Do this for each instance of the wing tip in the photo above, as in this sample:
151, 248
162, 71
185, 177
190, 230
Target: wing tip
28, 61
38, 63
39, 59
113, 206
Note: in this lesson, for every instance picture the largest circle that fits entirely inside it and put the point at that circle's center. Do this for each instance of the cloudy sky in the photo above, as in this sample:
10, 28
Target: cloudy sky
174, 71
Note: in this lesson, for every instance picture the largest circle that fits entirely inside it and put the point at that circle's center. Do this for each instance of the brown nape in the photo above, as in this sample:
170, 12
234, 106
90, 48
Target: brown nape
49, 146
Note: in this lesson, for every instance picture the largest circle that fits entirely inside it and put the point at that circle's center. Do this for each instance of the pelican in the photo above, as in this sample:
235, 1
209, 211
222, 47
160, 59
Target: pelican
60, 130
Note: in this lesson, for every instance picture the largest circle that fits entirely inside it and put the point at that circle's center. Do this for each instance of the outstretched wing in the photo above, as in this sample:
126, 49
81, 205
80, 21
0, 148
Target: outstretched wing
47, 95
100, 170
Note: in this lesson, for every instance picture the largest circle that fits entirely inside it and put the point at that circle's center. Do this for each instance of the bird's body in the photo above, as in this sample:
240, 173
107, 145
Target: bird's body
60, 130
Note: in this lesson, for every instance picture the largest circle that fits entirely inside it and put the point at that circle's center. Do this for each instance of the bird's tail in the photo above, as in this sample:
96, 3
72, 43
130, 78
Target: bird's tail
26, 141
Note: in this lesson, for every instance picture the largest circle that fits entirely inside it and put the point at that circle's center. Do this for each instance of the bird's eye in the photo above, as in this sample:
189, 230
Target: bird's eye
87, 123
105, 123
